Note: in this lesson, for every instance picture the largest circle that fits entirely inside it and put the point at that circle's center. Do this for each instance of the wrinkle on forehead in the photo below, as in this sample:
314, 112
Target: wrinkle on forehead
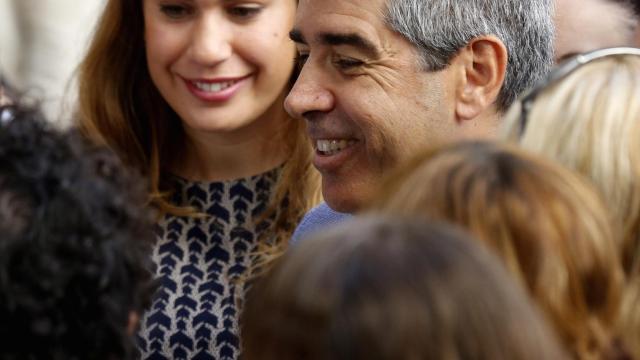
343, 16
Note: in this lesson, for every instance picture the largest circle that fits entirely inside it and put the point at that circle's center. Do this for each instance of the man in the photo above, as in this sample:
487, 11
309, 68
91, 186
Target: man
586, 25
381, 79
75, 269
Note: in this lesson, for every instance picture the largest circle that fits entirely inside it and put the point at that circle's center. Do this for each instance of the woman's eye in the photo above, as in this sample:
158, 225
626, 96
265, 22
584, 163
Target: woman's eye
175, 11
245, 12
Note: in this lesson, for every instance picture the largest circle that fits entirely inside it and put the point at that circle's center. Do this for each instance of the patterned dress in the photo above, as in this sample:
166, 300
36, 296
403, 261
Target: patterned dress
201, 263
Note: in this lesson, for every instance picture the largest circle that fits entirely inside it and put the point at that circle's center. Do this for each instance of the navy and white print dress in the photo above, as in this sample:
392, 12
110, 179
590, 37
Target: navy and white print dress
200, 266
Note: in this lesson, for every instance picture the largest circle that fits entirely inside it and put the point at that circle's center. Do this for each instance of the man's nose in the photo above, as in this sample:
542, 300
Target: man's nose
309, 94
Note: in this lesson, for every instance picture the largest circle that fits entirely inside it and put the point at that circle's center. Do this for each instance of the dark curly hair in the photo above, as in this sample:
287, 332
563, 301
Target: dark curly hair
75, 245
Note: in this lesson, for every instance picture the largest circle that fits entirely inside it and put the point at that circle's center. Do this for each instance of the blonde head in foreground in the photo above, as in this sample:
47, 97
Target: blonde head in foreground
590, 122
547, 224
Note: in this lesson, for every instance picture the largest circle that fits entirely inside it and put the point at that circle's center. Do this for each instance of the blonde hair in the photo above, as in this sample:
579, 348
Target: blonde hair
120, 107
547, 224
590, 122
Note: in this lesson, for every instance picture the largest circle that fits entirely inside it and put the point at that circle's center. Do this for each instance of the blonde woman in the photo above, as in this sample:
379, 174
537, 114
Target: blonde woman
191, 94
547, 224
586, 115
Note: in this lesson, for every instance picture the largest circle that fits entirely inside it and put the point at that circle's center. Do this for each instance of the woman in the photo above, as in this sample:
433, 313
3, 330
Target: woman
547, 225
190, 93
586, 115
383, 288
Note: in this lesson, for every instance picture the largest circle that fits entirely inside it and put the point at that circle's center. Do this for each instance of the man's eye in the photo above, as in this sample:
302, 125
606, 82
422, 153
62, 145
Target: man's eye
176, 11
244, 12
346, 63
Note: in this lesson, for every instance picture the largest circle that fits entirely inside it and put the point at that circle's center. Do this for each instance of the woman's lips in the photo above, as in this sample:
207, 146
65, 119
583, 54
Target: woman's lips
216, 90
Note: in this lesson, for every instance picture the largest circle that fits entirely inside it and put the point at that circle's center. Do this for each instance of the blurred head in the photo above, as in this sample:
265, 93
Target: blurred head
384, 288
587, 25
75, 269
586, 117
382, 78
589, 121
547, 225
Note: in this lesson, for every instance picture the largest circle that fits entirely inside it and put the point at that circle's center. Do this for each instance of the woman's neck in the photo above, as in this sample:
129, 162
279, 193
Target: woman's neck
254, 149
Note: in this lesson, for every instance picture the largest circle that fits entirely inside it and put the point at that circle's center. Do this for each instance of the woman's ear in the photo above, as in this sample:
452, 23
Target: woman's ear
483, 65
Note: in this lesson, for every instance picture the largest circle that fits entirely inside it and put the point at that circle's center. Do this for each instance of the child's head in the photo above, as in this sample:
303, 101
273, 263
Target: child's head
384, 288
74, 266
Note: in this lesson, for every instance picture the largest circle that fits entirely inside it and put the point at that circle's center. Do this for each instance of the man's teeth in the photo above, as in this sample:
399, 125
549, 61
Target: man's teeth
330, 147
213, 87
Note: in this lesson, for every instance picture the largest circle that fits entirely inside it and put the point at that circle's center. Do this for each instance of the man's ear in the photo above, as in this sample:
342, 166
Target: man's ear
481, 65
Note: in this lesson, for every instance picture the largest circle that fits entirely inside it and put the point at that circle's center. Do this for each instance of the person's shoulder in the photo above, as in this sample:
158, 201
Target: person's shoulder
318, 218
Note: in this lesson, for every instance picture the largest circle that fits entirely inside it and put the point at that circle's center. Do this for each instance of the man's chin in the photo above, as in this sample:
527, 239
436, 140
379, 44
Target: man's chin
342, 200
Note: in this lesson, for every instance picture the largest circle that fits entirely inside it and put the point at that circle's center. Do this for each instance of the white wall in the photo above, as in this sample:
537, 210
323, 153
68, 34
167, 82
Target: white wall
41, 43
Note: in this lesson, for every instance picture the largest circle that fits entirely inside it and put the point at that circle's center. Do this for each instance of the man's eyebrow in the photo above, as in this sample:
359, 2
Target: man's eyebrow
337, 39
349, 39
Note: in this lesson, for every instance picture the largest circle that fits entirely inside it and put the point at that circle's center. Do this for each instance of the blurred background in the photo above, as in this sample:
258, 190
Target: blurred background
41, 43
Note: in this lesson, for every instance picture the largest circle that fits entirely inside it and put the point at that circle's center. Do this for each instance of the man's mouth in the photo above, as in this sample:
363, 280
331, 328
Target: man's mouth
332, 147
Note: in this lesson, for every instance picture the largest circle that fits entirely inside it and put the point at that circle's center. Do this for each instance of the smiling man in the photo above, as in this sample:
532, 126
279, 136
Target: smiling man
381, 79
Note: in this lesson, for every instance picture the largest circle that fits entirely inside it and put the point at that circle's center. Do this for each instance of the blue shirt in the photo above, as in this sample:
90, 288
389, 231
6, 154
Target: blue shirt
319, 218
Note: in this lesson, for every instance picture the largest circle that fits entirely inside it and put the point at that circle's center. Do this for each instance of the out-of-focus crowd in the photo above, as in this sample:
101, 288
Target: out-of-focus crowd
320, 179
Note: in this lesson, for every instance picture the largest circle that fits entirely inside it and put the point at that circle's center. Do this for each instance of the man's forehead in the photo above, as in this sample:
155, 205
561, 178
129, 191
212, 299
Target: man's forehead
341, 5
367, 15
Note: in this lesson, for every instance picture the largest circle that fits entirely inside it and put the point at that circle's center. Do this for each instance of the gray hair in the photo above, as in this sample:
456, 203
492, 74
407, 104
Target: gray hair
440, 28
